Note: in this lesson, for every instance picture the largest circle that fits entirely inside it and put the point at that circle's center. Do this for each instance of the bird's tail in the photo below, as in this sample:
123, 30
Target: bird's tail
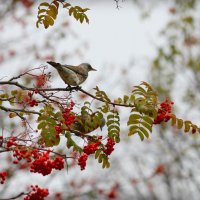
54, 64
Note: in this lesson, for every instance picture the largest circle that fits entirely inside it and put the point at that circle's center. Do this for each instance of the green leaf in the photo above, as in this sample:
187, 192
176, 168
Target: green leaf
97, 153
100, 159
42, 125
132, 130
147, 119
141, 135
126, 98
133, 122
149, 127
108, 123
144, 131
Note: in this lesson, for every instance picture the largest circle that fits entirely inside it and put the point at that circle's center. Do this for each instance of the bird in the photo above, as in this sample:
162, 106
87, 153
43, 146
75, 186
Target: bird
72, 75
87, 123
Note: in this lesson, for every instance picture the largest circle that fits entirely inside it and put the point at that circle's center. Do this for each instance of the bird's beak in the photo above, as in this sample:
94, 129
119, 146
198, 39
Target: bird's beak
93, 69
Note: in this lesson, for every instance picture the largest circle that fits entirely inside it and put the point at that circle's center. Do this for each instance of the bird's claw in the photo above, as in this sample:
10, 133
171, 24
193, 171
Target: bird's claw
70, 88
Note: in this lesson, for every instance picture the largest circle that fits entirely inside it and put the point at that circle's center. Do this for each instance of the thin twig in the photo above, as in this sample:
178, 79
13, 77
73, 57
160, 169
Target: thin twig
15, 197
25, 73
70, 89
111, 103
19, 110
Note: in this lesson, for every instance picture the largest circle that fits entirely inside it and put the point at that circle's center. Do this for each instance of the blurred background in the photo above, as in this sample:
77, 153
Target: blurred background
154, 41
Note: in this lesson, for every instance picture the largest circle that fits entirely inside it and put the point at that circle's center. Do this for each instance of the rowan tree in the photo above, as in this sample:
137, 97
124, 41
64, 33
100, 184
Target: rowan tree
58, 132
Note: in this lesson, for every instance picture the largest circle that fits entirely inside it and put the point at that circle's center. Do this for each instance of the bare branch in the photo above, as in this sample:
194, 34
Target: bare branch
19, 110
70, 89
15, 197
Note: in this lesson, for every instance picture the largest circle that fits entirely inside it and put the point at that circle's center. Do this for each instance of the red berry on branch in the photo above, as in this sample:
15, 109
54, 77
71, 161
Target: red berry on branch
109, 146
164, 112
82, 161
37, 193
3, 176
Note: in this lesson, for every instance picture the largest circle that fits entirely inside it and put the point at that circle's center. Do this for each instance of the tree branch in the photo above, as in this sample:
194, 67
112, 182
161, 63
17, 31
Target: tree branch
15, 197
19, 110
70, 89
111, 103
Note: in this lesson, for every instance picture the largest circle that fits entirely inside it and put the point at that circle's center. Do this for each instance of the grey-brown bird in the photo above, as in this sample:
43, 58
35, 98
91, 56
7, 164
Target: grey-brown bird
86, 123
72, 75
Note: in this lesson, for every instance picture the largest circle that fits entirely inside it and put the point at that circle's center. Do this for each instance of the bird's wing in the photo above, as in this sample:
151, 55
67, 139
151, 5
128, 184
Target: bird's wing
75, 69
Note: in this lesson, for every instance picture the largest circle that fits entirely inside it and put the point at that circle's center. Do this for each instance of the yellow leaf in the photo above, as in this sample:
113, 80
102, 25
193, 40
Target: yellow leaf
66, 5
71, 10
44, 4
85, 9
56, 4
180, 123
46, 24
49, 20
187, 126
173, 120
12, 115
52, 14
41, 11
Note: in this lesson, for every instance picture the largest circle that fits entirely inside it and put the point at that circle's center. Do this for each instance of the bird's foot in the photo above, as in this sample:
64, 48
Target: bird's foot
70, 88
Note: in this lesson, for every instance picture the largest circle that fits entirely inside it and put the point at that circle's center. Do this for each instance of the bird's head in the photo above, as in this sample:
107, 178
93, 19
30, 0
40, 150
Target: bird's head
88, 67
54, 64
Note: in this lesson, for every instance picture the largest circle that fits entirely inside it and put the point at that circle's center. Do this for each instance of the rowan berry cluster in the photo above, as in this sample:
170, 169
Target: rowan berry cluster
11, 142
91, 148
88, 149
24, 153
43, 165
3, 176
82, 160
164, 112
109, 146
29, 99
68, 119
41, 80
37, 193
68, 116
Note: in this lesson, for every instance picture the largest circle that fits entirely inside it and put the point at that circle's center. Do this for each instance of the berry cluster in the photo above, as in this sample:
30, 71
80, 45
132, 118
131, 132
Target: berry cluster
11, 142
24, 153
90, 148
82, 160
160, 169
43, 165
68, 119
58, 129
29, 99
41, 80
164, 112
3, 176
68, 116
109, 146
37, 193
112, 194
